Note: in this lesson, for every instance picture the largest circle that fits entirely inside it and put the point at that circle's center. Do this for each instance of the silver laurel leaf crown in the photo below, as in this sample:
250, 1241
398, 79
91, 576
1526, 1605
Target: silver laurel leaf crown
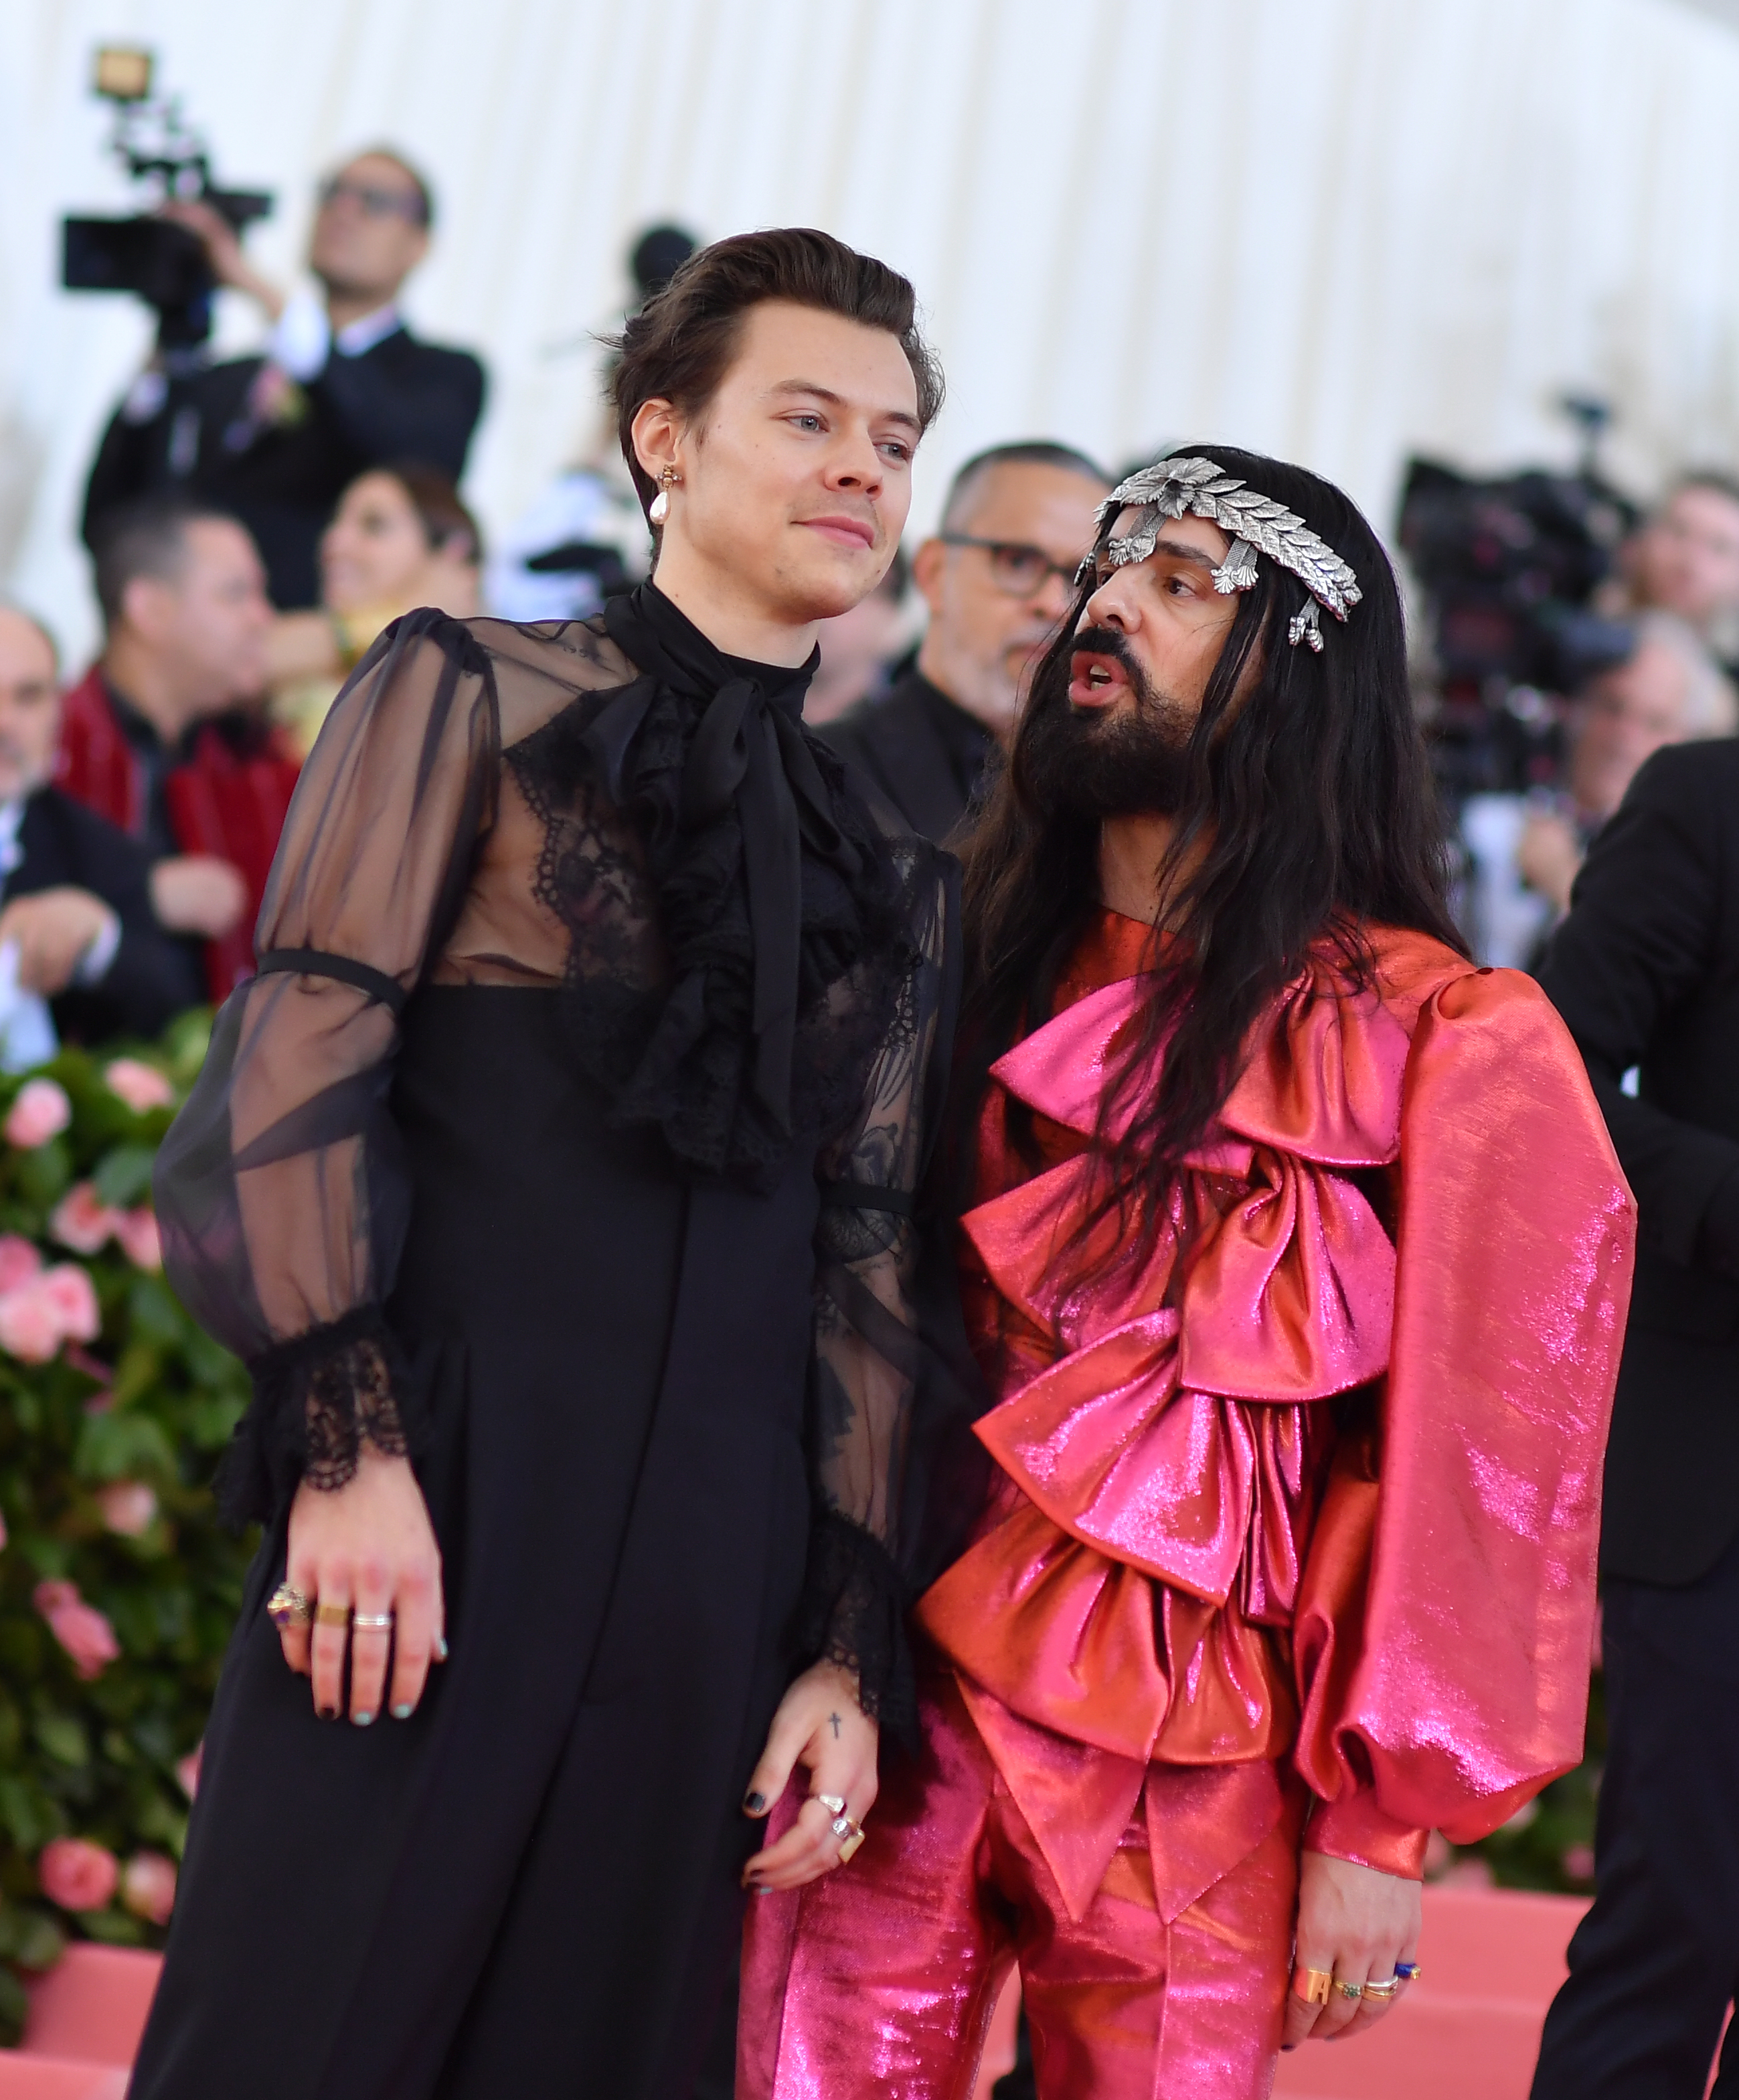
1256, 522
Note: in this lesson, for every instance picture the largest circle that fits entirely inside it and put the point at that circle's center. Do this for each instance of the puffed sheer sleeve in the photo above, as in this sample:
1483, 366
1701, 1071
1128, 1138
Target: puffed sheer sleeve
889, 1373
281, 1190
1443, 1634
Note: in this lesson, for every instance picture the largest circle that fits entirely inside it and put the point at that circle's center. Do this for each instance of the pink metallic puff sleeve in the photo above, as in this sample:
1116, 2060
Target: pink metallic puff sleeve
1445, 1622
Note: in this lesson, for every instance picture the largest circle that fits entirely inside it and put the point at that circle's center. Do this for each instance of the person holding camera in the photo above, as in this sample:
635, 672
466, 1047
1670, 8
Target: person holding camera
343, 385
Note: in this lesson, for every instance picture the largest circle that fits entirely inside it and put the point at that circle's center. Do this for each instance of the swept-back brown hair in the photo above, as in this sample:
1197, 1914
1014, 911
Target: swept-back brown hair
679, 346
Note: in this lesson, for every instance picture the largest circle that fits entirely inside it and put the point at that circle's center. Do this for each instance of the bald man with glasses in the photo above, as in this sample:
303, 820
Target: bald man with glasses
342, 385
997, 577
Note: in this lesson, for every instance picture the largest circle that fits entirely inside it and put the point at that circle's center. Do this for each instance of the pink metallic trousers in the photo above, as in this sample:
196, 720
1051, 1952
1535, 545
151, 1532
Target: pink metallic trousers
878, 1981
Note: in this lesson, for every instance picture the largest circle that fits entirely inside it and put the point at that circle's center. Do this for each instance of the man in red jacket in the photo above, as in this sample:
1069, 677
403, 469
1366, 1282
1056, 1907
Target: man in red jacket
157, 736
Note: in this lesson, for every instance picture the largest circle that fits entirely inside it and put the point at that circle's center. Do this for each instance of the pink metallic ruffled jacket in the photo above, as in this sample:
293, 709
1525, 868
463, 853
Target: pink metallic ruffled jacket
1315, 1477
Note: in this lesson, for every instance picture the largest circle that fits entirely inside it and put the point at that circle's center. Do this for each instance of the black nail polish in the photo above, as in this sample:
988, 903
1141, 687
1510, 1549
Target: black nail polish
329, 1713
755, 1802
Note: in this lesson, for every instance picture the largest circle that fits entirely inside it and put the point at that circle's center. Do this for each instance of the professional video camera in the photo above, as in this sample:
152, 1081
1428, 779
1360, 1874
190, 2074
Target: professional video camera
1509, 568
160, 263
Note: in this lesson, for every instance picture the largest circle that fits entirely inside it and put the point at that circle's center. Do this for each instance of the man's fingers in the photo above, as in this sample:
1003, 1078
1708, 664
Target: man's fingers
808, 1849
330, 1642
772, 1775
413, 1640
1300, 2019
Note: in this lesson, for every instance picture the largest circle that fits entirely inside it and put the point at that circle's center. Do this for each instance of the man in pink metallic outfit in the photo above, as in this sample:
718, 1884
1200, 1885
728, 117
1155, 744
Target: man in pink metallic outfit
1296, 1259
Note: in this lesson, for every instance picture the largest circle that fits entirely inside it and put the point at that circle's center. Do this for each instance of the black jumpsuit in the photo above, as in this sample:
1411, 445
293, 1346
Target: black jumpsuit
491, 1162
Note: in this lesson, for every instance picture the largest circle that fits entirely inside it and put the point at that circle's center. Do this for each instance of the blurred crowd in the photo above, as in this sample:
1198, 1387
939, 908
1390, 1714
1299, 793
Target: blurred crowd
254, 524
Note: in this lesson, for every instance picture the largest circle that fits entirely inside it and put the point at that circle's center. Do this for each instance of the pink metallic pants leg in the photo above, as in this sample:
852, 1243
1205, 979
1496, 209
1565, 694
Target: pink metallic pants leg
877, 1981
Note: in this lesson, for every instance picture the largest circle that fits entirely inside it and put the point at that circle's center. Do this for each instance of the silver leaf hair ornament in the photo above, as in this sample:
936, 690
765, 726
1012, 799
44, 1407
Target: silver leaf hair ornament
1258, 526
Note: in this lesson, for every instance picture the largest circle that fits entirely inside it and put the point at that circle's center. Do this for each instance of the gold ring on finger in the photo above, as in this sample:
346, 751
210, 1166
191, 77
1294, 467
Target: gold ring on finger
842, 1826
1354, 1991
331, 1615
1317, 1984
372, 1622
288, 1606
1382, 1990
849, 1849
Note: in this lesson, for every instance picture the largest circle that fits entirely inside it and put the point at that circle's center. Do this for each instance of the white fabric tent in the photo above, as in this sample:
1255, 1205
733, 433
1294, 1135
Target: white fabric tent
1338, 229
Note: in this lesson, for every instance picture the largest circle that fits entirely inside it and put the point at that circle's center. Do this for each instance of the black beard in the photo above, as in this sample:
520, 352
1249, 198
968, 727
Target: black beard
1095, 765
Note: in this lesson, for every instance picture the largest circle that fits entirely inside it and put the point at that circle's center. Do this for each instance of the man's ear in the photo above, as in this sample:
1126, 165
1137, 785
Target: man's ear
927, 564
657, 432
147, 606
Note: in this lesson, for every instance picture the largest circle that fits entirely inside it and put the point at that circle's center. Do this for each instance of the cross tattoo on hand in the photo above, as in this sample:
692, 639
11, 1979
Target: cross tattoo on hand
834, 1718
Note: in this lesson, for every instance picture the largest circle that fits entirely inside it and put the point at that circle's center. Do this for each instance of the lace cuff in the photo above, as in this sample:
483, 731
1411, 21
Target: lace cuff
852, 1613
317, 1399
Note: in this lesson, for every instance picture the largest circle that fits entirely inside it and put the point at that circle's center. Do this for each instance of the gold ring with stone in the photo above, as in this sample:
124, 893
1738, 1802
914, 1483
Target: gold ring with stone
1354, 1991
331, 1615
1408, 1972
288, 1606
1317, 1984
849, 1849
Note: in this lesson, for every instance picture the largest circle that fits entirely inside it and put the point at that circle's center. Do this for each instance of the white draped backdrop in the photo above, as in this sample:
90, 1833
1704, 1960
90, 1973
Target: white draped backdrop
1340, 229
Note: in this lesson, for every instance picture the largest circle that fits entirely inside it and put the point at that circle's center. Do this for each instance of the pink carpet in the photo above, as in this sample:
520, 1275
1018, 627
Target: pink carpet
1492, 1962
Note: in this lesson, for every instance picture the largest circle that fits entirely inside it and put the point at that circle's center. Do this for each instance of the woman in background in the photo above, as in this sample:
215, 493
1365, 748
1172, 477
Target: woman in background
401, 537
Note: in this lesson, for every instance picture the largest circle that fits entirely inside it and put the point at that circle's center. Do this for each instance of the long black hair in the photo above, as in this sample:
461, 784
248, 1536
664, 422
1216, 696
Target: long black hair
1310, 814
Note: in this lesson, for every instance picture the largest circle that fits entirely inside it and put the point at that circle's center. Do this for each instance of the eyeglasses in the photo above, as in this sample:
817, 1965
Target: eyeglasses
1015, 569
372, 202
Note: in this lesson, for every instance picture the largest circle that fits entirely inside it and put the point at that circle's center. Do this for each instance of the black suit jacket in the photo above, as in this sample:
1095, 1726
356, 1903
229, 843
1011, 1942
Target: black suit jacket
1645, 972
153, 976
917, 747
401, 400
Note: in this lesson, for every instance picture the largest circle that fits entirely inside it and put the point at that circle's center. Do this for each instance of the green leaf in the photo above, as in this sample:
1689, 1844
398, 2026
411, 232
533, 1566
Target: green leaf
154, 1311
124, 1445
64, 1737
123, 1176
44, 1175
40, 1944
113, 1927
19, 1814
14, 2007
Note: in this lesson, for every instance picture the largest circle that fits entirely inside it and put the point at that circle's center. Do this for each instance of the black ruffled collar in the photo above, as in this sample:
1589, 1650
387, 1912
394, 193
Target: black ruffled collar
772, 884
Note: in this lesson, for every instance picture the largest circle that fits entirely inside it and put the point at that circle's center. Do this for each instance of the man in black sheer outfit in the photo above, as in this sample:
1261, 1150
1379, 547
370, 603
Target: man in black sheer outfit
556, 1177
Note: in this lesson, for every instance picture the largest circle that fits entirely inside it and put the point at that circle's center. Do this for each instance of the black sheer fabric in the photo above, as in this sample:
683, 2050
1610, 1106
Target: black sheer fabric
751, 964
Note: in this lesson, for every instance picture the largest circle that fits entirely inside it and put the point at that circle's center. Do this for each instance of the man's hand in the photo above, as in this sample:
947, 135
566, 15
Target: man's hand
198, 894
224, 252
369, 1547
820, 1726
53, 929
1355, 1924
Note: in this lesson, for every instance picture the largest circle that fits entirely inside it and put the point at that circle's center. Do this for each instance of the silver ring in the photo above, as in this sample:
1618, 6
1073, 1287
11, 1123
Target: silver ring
372, 1622
834, 1804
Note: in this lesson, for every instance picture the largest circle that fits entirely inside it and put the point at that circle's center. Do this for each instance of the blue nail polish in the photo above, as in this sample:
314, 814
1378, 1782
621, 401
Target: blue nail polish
440, 1648
403, 1713
362, 1720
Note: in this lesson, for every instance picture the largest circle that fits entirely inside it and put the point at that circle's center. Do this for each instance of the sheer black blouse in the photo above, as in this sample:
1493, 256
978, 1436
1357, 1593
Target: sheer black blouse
750, 962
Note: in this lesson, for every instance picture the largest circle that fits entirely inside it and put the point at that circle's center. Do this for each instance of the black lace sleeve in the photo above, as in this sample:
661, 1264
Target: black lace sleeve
280, 1191
883, 1370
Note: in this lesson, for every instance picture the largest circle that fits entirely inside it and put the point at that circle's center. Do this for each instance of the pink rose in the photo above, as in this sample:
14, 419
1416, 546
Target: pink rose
187, 1770
140, 1241
41, 1111
69, 1291
82, 1220
128, 1507
80, 1628
19, 1262
30, 1324
147, 1886
1579, 1862
77, 1874
141, 1086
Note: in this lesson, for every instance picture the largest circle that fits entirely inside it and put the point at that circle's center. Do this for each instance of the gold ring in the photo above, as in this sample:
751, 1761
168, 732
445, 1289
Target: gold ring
1317, 1984
1349, 1990
1382, 1990
331, 1615
288, 1606
372, 1622
850, 1846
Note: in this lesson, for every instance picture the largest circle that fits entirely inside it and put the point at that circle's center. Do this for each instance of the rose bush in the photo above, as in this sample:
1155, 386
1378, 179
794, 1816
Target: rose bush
118, 1585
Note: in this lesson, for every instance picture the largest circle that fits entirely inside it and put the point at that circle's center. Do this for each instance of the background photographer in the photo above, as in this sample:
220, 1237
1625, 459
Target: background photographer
343, 385
1684, 560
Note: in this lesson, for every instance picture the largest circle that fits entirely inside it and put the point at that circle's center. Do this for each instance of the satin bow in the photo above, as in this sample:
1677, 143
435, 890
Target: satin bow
747, 752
